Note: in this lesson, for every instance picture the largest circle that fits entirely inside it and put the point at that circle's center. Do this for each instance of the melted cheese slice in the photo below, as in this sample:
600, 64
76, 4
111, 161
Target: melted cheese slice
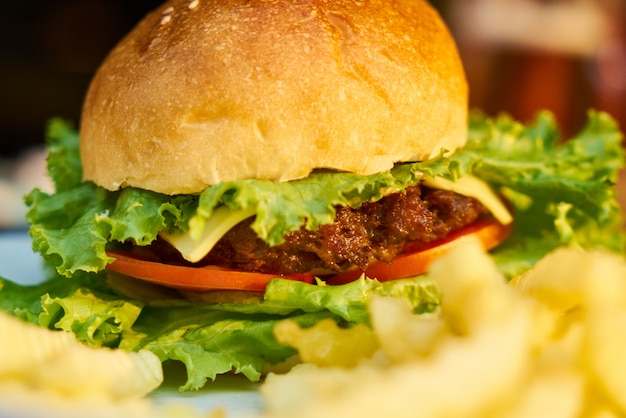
223, 218
473, 187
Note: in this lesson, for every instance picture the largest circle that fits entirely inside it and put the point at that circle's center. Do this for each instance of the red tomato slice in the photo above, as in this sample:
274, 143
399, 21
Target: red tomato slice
194, 278
417, 256
415, 260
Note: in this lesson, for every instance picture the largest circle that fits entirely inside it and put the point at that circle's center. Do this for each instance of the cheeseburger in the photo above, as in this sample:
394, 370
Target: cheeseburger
241, 162
207, 94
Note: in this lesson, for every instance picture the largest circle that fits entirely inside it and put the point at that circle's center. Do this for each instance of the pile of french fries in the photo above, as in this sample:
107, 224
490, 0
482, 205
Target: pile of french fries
551, 343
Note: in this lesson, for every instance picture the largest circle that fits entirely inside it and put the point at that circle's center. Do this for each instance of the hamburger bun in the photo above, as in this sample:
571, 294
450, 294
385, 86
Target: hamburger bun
207, 91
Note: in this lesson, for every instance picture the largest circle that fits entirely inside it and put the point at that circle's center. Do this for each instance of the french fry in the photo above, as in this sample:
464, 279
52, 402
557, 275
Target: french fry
549, 395
473, 290
605, 342
563, 278
326, 344
55, 360
605, 348
401, 334
83, 370
24, 346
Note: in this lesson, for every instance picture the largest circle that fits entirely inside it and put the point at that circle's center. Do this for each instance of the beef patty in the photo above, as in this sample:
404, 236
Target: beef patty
358, 237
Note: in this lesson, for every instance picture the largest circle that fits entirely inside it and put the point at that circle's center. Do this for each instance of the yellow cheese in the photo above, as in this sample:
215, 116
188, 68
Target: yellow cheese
221, 221
473, 187
194, 249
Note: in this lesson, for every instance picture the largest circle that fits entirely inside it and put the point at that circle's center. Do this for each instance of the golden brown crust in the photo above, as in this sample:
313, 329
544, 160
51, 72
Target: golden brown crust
205, 91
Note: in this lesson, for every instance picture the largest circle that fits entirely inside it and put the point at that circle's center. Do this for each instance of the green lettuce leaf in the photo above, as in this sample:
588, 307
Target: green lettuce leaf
209, 339
96, 319
562, 192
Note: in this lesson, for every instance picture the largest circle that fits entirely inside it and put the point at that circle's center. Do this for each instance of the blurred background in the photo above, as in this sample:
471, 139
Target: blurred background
520, 56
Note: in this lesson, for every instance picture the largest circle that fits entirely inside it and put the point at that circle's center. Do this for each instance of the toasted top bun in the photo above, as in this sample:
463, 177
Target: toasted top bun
207, 91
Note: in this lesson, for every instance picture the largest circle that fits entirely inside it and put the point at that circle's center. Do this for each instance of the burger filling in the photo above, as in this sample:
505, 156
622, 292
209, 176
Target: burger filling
359, 236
